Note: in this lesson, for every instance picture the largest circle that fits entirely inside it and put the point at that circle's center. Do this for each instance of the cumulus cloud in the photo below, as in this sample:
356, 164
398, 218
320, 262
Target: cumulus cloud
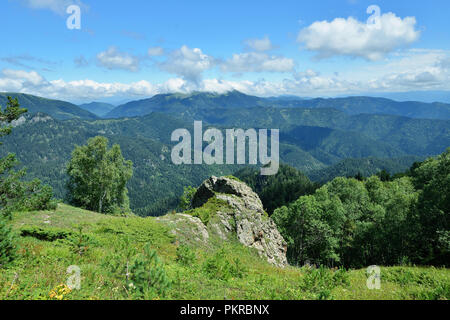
410, 71
257, 62
57, 6
188, 63
31, 77
259, 45
350, 37
155, 51
115, 59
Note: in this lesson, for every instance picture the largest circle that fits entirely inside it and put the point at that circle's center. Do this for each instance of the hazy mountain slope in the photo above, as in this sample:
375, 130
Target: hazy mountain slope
176, 103
57, 109
173, 103
44, 147
98, 108
372, 105
365, 167
403, 135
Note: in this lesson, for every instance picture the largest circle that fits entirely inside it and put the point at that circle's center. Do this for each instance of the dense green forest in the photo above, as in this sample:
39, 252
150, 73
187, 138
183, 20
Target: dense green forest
322, 143
368, 221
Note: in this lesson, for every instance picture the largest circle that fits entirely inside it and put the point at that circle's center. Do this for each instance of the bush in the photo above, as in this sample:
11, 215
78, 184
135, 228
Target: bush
186, 198
148, 278
7, 248
219, 266
50, 234
39, 197
320, 282
185, 255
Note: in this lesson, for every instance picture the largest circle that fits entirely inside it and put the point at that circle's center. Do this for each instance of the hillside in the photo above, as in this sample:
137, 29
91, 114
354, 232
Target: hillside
98, 108
365, 166
44, 146
310, 140
49, 246
174, 103
57, 109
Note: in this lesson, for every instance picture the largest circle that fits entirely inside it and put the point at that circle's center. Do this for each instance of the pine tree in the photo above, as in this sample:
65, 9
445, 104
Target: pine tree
9, 183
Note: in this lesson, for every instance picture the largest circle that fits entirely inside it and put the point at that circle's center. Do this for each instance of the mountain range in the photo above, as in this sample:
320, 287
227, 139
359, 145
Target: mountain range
321, 141
174, 103
57, 109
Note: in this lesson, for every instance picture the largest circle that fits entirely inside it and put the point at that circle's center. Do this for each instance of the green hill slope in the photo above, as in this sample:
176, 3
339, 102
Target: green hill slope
50, 242
57, 109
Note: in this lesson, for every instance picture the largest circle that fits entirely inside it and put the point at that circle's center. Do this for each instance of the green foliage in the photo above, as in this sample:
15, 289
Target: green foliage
98, 177
148, 278
380, 220
186, 198
14, 193
12, 112
45, 234
365, 167
350, 222
206, 211
185, 255
115, 242
280, 189
319, 283
7, 243
221, 267
432, 178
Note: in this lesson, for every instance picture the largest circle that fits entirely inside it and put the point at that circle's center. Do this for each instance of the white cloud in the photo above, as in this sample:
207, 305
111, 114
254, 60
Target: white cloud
410, 71
31, 77
57, 6
188, 63
115, 59
155, 51
350, 37
260, 45
257, 62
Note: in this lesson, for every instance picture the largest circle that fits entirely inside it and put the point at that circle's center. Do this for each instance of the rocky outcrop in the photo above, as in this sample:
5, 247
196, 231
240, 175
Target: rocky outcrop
242, 216
186, 228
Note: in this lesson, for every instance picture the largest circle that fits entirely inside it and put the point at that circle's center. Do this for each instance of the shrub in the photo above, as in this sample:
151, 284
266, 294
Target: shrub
221, 267
185, 255
320, 282
206, 211
186, 198
38, 197
148, 278
7, 248
49, 234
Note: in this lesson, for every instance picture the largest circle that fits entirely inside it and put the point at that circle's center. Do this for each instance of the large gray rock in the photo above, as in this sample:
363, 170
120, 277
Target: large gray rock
243, 217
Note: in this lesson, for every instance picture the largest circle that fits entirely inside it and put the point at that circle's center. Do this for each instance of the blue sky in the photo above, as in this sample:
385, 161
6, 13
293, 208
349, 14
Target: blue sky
134, 49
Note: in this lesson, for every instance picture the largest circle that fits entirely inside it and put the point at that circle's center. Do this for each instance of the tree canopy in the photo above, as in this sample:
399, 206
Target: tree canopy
98, 177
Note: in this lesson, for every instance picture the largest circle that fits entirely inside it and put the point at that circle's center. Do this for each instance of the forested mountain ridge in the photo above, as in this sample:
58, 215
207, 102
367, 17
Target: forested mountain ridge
43, 144
56, 108
173, 103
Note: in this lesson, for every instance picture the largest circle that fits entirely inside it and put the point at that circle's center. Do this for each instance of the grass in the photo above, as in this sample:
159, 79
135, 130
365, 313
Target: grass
104, 246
